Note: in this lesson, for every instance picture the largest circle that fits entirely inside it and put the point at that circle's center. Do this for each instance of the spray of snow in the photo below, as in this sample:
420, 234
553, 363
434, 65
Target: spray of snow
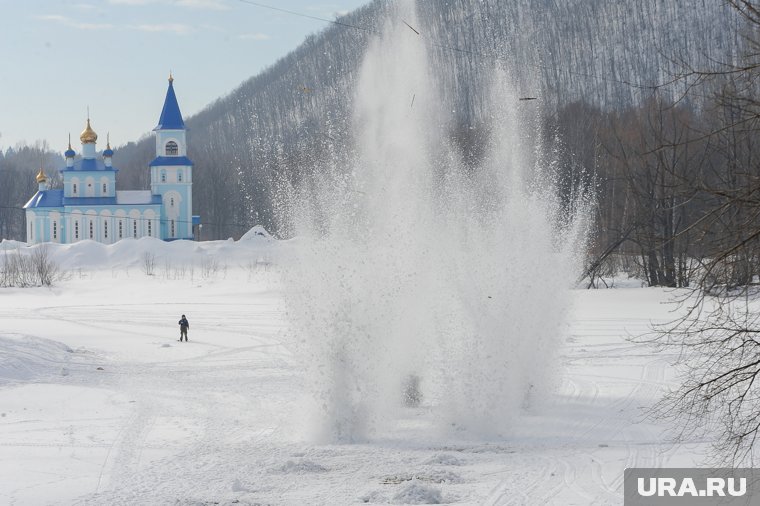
410, 265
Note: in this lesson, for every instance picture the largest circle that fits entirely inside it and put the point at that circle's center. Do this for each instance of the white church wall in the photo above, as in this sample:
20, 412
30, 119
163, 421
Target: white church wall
91, 224
135, 225
106, 226
75, 230
89, 189
55, 226
31, 216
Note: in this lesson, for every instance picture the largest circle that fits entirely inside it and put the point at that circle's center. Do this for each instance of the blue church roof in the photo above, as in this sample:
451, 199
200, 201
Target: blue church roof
87, 164
89, 201
45, 198
108, 201
171, 118
171, 160
55, 198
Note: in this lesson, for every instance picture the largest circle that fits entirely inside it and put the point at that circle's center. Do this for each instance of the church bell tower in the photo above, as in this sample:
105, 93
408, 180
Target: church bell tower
171, 172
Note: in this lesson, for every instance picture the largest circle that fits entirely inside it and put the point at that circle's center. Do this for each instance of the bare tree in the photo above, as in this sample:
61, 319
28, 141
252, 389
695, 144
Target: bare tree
149, 263
717, 339
45, 269
28, 269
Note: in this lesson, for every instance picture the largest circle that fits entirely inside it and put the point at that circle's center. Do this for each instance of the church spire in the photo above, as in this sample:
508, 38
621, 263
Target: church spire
108, 152
69, 154
171, 117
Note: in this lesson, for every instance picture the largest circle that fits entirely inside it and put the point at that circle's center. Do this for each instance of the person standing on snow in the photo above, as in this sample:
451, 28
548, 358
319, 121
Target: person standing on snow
183, 326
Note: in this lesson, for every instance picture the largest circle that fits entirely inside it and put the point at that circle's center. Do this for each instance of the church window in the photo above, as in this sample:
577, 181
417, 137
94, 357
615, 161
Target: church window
105, 229
55, 230
171, 201
121, 229
163, 176
105, 188
134, 228
179, 176
150, 228
172, 228
172, 149
91, 231
76, 230
75, 188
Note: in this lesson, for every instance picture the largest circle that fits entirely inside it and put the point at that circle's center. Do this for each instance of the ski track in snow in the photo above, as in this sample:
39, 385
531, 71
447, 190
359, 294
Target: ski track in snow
212, 421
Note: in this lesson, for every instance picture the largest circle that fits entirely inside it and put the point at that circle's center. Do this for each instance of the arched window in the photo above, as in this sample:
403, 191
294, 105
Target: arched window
172, 229
171, 201
172, 149
179, 176
121, 229
76, 230
105, 188
105, 229
55, 230
75, 188
134, 228
163, 176
150, 228
92, 235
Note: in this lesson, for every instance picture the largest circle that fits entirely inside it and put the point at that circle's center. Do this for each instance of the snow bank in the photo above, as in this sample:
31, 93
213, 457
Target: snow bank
32, 358
417, 493
256, 246
443, 459
301, 467
258, 232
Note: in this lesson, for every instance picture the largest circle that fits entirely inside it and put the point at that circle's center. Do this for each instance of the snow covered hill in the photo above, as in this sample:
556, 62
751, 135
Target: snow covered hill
100, 404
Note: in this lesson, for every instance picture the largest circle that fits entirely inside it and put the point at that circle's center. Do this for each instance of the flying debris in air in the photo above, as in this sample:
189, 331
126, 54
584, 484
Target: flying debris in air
410, 27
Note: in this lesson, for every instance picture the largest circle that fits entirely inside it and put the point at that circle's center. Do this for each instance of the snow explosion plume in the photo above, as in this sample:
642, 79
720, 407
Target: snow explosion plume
419, 281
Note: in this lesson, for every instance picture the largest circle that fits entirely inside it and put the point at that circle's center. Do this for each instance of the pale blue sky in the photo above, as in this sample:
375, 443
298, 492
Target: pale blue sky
57, 57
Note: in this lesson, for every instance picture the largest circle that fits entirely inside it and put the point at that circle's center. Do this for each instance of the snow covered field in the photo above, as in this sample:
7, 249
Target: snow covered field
100, 404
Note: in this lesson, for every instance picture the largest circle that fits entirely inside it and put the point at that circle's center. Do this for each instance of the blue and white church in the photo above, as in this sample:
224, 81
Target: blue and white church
89, 207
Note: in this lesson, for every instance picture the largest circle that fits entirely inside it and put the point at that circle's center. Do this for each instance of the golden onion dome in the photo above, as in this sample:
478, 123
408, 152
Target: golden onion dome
88, 135
41, 177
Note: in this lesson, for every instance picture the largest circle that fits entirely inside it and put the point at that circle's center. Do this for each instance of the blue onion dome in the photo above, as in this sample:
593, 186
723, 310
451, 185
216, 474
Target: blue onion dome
69, 153
108, 151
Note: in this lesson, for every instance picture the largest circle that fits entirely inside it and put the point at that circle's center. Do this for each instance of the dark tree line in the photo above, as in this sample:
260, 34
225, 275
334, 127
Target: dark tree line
18, 168
676, 186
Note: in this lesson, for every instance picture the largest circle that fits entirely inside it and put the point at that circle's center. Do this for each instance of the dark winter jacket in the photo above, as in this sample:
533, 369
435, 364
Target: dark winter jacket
184, 323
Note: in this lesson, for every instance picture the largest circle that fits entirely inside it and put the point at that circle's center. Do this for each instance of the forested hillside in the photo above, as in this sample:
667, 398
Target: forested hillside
595, 67
596, 52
